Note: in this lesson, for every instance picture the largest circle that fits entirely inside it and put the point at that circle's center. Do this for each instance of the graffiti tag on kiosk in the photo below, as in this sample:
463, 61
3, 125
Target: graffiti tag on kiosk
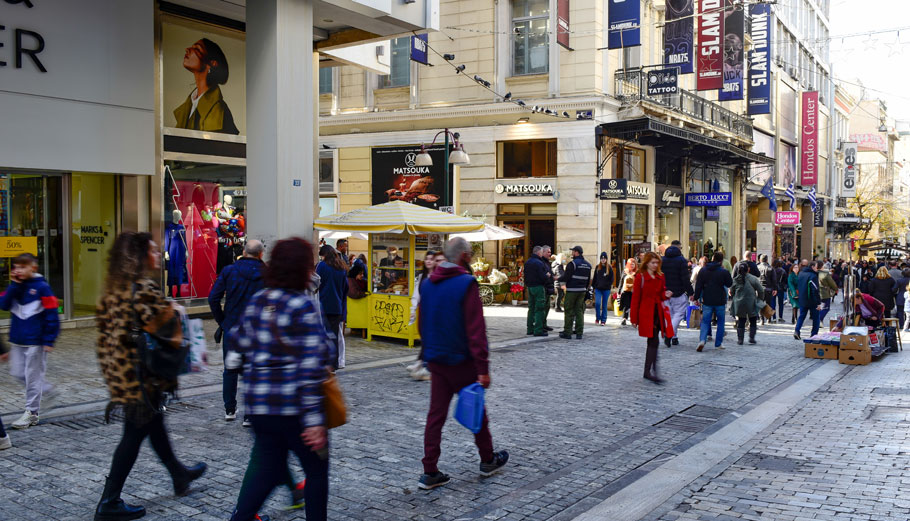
389, 317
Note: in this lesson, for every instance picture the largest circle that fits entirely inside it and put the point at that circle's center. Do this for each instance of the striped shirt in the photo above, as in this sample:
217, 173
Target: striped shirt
284, 346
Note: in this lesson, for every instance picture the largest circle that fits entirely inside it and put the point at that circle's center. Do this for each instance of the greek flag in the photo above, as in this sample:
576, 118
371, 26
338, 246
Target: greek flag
812, 199
792, 195
768, 192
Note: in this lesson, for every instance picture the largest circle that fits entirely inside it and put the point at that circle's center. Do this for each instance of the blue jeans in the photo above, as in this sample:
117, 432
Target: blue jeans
230, 377
781, 298
275, 436
813, 313
601, 297
827, 307
707, 314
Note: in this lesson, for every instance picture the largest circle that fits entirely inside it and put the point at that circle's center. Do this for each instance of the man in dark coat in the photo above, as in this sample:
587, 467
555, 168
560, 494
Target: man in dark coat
236, 284
768, 279
711, 288
537, 275
809, 297
676, 277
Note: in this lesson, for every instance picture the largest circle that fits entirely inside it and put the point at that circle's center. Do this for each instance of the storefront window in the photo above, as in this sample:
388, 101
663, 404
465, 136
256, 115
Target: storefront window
537, 221
93, 203
710, 229
629, 163
668, 225
390, 264
205, 224
527, 158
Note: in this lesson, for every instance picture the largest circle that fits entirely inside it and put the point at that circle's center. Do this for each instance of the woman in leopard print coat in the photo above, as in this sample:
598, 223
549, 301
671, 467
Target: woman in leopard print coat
132, 296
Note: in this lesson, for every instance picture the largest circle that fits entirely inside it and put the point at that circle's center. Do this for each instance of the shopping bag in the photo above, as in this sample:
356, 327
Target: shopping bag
617, 309
198, 358
336, 412
469, 409
766, 312
667, 317
341, 346
693, 317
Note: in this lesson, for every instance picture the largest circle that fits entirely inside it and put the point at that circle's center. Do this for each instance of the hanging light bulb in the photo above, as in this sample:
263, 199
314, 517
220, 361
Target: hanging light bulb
459, 156
423, 158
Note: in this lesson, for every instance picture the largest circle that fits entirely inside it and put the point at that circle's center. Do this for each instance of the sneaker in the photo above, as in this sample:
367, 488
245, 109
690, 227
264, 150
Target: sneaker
262, 518
230, 416
27, 420
597, 322
719, 347
415, 366
246, 422
701, 345
421, 375
5, 442
499, 460
431, 481
297, 496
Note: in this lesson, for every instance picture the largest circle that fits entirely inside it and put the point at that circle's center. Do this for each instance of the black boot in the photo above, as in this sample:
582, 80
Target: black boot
752, 330
183, 476
740, 334
112, 508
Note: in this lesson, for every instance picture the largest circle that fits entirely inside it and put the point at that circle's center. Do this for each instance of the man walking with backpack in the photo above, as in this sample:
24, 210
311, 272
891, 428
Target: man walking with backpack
676, 277
236, 284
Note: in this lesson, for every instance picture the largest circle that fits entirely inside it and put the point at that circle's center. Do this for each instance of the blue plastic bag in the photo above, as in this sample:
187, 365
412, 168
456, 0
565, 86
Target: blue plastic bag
469, 409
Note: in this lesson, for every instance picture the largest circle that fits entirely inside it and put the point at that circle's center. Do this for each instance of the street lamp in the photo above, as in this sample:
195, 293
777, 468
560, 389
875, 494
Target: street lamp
457, 157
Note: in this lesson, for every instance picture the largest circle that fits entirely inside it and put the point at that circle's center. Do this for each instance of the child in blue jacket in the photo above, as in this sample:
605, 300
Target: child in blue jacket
33, 331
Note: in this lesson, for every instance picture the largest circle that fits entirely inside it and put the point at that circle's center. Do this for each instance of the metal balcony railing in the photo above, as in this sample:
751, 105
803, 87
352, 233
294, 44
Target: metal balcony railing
631, 86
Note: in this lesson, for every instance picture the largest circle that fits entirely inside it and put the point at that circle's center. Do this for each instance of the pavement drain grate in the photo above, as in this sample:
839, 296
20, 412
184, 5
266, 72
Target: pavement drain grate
889, 413
890, 390
705, 411
85, 423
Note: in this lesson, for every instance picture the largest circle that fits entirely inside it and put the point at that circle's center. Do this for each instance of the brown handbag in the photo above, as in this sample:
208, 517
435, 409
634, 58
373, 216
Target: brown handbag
336, 412
767, 312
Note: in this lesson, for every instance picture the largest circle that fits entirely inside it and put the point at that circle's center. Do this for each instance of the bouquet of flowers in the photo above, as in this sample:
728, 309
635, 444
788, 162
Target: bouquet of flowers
517, 290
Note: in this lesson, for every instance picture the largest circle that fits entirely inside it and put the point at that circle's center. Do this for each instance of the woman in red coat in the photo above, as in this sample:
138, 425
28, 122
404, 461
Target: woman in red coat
649, 312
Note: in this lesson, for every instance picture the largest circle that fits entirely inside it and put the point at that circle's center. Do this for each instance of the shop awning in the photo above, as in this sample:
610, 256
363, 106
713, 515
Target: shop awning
398, 217
683, 142
490, 233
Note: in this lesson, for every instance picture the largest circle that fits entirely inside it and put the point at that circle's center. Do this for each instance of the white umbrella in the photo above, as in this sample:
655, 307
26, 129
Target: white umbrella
490, 233
329, 234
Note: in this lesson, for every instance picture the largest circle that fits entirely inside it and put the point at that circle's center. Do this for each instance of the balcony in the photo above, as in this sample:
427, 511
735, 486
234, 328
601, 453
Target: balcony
631, 87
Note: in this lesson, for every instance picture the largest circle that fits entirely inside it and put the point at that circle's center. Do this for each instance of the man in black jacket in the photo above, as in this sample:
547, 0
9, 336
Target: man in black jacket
676, 277
768, 281
577, 278
711, 288
536, 276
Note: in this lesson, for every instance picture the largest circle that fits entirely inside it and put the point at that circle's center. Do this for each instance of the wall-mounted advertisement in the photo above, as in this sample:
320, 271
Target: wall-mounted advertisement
759, 60
396, 176
710, 45
624, 18
787, 165
734, 20
848, 186
678, 35
203, 70
809, 139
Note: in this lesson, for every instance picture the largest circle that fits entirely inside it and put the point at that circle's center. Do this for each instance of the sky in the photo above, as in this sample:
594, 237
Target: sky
879, 61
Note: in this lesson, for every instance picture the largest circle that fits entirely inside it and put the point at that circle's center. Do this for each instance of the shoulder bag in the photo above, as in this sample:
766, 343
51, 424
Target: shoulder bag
336, 412
156, 357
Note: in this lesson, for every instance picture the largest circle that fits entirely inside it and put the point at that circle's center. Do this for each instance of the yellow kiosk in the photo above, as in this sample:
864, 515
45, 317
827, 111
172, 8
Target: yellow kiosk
399, 233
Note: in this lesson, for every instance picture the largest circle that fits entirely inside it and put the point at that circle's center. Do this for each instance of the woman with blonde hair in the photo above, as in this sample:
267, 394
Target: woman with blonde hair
625, 288
648, 312
884, 288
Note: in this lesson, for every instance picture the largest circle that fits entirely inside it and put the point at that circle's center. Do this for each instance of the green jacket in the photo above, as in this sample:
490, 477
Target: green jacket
827, 288
746, 299
212, 114
793, 289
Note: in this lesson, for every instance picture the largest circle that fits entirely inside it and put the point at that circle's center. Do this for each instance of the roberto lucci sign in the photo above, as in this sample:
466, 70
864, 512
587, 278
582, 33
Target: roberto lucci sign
25, 43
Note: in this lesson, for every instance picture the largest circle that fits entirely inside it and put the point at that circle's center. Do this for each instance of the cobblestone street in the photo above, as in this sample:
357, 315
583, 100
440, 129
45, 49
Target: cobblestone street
582, 426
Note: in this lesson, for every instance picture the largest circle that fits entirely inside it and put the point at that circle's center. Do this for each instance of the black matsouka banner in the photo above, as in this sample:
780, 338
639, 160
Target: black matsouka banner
678, 35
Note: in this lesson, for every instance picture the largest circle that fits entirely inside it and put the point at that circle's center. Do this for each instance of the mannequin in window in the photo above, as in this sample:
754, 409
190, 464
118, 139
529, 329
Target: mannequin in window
227, 234
175, 253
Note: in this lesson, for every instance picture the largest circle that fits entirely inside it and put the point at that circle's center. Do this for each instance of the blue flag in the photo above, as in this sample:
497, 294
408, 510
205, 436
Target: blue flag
813, 200
768, 192
792, 195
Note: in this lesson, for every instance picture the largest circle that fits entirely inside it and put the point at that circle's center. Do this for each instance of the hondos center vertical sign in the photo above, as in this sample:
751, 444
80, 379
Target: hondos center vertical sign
808, 144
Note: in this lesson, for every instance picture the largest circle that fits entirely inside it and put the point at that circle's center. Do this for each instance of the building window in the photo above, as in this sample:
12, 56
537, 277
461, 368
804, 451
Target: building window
399, 64
527, 158
629, 163
530, 40
325, 80
328, 172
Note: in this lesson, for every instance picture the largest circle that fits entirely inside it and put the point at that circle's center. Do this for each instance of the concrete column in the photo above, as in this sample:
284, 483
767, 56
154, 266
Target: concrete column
282, 129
